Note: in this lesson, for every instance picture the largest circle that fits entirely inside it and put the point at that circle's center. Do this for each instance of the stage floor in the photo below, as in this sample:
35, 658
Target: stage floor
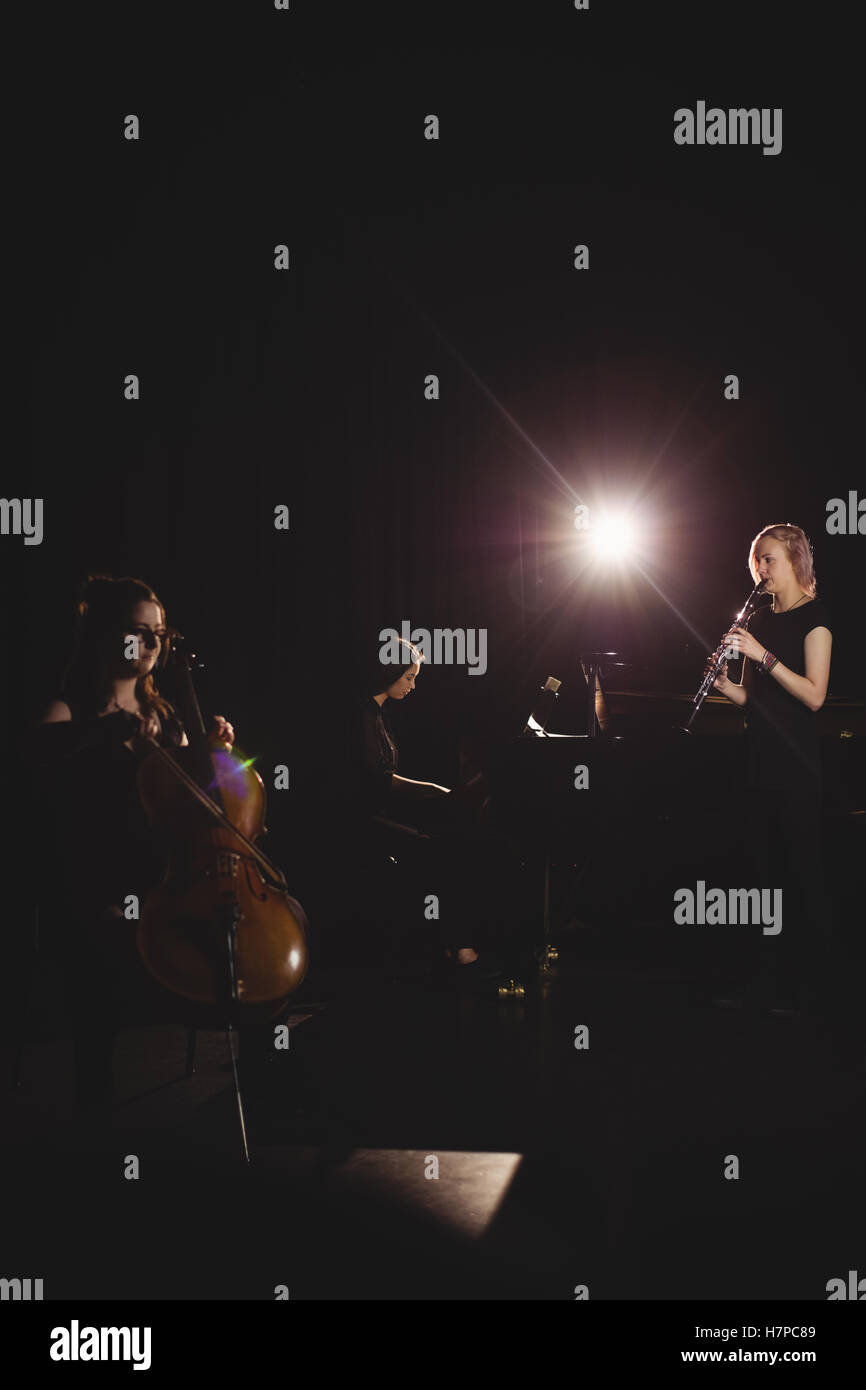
421, 1143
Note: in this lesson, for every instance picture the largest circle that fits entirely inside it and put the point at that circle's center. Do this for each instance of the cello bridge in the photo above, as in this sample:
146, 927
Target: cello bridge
227, 863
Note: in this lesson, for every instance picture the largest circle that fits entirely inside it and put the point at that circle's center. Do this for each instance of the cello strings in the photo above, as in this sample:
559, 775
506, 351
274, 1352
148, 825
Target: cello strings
208, 802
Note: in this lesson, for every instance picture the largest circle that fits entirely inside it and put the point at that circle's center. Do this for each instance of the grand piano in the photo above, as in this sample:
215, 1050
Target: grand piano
620, 813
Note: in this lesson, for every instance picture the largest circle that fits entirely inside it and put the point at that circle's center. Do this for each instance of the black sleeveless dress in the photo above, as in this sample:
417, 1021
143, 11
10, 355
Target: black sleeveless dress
783, 810
782, 732
98, 841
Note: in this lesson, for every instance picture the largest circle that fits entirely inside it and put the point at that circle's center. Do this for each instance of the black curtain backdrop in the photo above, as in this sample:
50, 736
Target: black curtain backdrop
410, 257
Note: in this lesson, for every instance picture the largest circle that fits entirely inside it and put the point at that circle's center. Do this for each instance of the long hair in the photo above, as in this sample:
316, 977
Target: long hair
797, 549
103, 611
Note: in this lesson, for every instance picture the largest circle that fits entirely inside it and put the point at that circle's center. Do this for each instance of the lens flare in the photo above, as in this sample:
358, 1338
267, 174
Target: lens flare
613, 538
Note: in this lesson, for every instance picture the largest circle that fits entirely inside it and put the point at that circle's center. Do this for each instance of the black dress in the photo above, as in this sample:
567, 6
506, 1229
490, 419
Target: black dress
101, 852
102, 845
375, 759
469, 870
783, 801
381, 821
782, 732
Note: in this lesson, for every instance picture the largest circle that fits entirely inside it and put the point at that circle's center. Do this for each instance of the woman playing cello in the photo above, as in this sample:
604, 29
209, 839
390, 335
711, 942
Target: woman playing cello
91, 740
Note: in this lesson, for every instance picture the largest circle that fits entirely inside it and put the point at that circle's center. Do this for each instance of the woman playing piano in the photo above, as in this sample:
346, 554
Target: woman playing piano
405, 817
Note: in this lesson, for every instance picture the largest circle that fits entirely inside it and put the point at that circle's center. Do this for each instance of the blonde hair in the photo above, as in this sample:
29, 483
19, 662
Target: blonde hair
797, 549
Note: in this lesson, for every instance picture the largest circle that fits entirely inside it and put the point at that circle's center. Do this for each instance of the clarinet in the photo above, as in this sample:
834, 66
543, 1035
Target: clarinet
720, 654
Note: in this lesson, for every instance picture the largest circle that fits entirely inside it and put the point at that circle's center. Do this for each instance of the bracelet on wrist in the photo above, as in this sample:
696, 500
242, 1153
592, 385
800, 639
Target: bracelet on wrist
768, 661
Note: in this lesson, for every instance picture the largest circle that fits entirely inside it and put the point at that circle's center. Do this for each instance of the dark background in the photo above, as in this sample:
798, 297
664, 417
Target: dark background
557, 386
408, 257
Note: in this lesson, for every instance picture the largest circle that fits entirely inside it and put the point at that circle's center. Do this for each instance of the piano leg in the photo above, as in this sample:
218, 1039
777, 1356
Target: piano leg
549, 953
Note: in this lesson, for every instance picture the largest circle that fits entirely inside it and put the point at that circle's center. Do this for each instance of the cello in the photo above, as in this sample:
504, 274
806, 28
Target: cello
221, 928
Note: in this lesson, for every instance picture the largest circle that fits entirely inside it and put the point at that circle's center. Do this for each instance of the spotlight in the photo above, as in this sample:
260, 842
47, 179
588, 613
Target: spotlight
613, 538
